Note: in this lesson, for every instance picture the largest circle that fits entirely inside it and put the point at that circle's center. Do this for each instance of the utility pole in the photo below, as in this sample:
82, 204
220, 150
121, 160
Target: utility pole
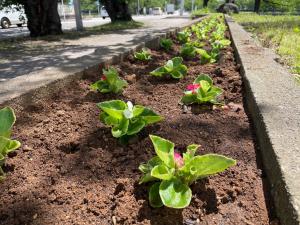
193, 3
78, 17
181, 7
138, 7
63, 9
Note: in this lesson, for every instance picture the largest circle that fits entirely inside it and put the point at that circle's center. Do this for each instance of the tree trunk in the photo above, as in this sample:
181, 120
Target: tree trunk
256, 6
205, 3
117, 10
43, 17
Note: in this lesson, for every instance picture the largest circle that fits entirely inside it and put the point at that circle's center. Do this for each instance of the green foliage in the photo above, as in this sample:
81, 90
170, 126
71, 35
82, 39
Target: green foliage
183, 36
173, 173
206, 57
173, 67
277, 32
125, 119
202, 91
188, 51
144, 55
110, 82
7, 120
166, 43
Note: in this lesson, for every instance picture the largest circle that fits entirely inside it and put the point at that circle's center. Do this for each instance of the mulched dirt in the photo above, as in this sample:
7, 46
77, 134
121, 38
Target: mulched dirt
70, 170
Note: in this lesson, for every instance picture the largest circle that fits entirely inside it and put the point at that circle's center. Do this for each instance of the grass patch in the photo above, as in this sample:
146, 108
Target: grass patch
279, 32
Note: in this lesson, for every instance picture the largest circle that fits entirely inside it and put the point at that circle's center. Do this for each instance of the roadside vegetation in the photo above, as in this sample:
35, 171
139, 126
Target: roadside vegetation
281, 33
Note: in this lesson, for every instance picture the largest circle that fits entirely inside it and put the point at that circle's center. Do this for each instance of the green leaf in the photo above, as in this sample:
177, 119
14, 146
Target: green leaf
147, 168
205, 86
164, 149
150, 116
154, 198
176, 74
7, 120
175, 194
176, 61
135, 127
191, 150
203, 77
188, 99
138, 110
113, 108
7, 145
209, 164
166, 43
158, 72
162, 172
121, 129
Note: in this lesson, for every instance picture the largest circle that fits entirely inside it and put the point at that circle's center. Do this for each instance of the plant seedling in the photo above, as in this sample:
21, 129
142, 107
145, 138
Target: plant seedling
166, 43
143, 55
183, 36
173, 173
125, 119
188, 51
202, 91
7, 145
206, 57
173, 67
110, 82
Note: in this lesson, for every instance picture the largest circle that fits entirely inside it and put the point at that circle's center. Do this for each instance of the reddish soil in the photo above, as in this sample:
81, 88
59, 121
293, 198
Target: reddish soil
70, 170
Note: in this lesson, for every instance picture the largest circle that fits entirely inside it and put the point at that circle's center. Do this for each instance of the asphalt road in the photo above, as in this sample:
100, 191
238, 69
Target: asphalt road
15, 31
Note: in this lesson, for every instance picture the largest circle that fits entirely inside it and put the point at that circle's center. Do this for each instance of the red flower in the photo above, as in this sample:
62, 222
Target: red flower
193, 87
103, 77
178, 160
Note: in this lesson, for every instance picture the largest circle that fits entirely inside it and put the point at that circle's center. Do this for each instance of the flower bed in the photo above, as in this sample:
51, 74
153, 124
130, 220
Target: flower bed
71, 170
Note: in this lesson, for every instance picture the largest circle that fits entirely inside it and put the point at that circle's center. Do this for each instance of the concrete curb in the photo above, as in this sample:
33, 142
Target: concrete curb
32, 93
272, 98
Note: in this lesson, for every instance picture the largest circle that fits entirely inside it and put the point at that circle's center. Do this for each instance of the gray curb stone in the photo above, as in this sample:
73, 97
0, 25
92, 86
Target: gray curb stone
273, 101
27, 89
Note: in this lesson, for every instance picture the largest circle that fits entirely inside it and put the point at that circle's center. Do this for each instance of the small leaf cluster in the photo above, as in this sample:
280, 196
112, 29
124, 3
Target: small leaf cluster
188, 50
126, 119
110, 82
202, 91
171, 173
173, 67
7, 145
143, 55
183, 36
166, 43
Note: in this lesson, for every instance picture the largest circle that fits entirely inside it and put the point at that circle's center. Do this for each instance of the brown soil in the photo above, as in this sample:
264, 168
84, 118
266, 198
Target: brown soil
70, 170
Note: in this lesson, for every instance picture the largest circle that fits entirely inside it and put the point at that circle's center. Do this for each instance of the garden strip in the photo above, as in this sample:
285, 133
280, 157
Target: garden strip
70, 170
273, 101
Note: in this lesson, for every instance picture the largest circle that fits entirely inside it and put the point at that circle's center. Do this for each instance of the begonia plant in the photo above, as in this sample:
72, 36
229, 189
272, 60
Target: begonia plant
172, 173
202, 91
7, 145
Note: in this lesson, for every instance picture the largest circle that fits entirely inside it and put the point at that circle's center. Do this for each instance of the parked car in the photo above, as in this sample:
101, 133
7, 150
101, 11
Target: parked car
170, 8
12, 15
157, 11
103, 12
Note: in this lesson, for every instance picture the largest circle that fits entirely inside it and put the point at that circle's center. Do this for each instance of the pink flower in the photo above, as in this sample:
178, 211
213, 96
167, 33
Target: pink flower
178, 160
193, 87
103, 77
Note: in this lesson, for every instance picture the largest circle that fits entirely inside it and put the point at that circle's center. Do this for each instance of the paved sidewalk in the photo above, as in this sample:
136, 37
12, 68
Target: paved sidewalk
38, 63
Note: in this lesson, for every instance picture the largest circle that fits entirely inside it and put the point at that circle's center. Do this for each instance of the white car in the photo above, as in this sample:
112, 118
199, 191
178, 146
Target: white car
157, 11
12, 15
103, 12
